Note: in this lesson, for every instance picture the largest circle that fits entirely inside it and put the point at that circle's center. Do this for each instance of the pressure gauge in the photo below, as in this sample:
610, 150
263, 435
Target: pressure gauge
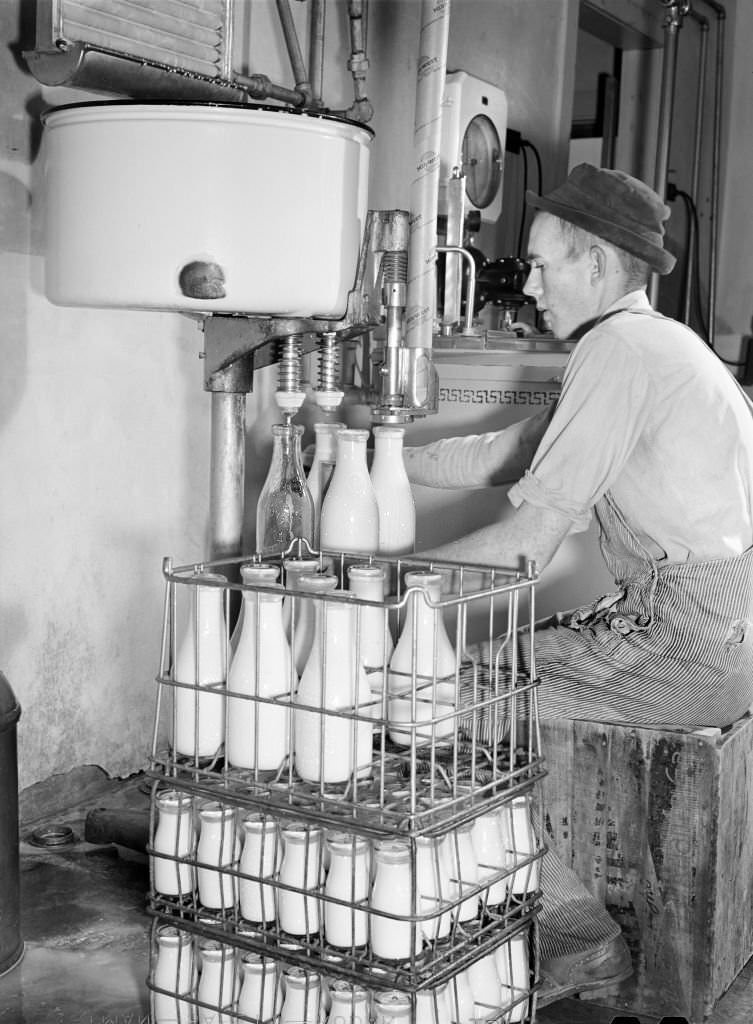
474, 126
482, 161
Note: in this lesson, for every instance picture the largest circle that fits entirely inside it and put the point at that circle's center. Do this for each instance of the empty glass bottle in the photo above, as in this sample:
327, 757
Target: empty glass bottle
285, 510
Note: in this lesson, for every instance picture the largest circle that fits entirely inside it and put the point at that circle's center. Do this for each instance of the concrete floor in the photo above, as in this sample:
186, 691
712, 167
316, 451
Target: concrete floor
86, 940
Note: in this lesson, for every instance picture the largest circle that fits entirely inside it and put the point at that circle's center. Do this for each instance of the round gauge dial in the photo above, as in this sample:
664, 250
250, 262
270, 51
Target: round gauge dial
482, 155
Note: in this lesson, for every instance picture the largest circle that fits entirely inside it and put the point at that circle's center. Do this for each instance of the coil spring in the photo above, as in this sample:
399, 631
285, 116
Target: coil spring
328, 363
289, 377
394, 267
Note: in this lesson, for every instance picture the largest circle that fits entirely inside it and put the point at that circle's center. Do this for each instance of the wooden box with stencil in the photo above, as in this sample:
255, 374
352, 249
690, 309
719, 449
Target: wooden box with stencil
659, 825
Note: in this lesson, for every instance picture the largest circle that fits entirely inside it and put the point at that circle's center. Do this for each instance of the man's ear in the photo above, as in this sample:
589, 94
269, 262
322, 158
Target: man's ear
598, 256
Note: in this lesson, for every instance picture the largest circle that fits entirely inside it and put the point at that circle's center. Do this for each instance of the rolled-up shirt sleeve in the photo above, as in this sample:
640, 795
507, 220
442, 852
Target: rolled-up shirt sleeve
596, 425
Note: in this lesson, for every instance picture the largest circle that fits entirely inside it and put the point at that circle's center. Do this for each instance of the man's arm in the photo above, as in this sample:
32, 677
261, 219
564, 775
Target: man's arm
530, 533
479, 460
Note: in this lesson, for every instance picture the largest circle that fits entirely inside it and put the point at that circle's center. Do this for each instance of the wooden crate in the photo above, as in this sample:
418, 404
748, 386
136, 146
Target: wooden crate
659, 825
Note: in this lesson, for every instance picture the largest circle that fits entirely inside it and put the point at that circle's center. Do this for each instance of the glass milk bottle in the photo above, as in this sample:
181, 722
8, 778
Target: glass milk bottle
350, 514
460, 999
285, 510
252, 572
393, 1008
303, 997
298, 612
175, 975
258, 734
201, 663
433, 882
375, 644
260, 995
302, 871
423, 659
397, 510
173, 874
491, 857
322, 468
392, 894
216, 988
513, 970
328, 749
217, 856
347, 880
463, 871
432, 1006
519, 841
350, 1004
484, 982
260, 858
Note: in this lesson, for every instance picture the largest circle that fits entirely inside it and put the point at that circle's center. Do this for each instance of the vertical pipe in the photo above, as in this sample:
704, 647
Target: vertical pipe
717, 155
316, 51
424, 191
672, 24
302, 83
693, 240
226, 474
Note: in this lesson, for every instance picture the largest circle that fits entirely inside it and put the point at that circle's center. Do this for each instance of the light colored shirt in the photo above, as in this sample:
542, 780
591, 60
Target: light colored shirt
649, 413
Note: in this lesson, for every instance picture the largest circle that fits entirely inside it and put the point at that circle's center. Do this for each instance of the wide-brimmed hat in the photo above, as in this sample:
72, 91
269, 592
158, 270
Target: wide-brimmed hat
615, 206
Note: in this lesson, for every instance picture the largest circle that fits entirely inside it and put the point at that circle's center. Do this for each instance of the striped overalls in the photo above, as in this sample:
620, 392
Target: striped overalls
673, 646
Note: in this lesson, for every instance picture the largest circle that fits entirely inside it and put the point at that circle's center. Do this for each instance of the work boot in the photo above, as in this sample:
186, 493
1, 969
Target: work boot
599, 967
581, 947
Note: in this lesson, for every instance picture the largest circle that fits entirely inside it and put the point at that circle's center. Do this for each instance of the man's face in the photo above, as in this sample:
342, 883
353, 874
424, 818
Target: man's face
560, 283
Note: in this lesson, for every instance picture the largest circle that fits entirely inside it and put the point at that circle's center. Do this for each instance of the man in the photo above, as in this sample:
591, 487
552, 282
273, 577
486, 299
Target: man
653, 436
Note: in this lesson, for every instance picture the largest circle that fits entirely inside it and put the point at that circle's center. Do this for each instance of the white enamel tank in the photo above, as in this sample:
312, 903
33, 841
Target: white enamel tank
203, 207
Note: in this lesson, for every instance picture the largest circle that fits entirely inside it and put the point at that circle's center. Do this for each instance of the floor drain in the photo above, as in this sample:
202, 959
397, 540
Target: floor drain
52, 835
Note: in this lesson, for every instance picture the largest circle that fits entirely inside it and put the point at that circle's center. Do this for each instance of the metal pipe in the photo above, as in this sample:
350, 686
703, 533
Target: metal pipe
471, 296
424, 192
721, 13
316, 51
302, 84
672, 25
716, 161
259, 87
693, 240
226, 474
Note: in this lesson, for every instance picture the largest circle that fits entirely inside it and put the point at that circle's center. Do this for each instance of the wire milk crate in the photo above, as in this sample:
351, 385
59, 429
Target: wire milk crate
346, 781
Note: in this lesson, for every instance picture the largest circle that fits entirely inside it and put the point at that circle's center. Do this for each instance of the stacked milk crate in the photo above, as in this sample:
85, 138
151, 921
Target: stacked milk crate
346, 787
